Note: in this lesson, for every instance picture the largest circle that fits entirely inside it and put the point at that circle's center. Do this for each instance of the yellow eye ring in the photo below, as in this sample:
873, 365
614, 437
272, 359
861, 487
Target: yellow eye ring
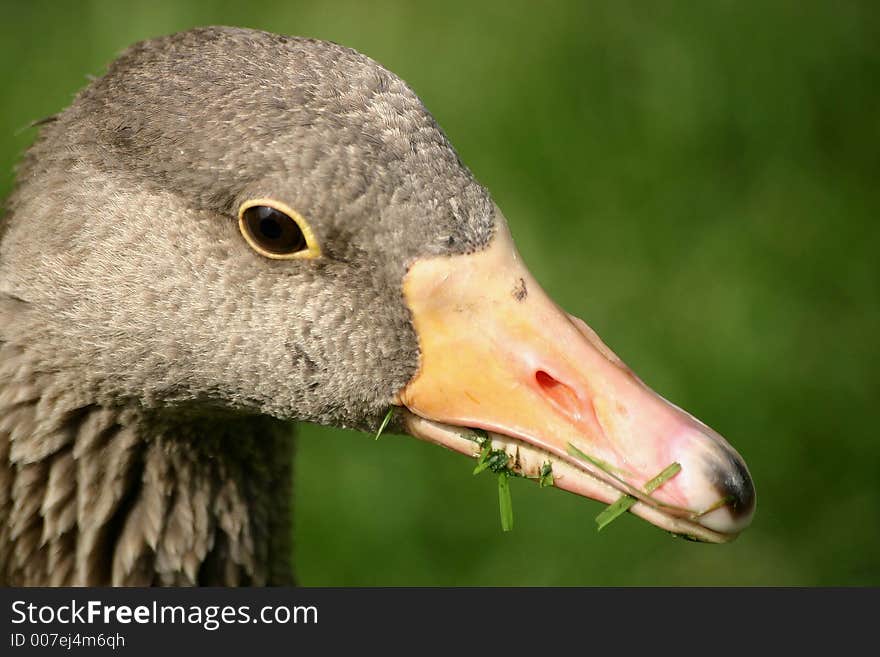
275, 230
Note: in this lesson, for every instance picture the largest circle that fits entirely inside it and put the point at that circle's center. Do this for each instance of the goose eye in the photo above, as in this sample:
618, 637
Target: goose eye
275, 230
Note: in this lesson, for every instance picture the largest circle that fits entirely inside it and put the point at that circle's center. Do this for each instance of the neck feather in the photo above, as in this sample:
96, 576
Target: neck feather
98, 495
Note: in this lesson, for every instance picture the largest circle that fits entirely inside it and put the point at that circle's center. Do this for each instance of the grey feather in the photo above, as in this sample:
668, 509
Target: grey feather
149, 359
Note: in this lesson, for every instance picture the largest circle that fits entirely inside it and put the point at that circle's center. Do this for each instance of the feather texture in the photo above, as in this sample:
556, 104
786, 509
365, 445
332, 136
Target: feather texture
150, 360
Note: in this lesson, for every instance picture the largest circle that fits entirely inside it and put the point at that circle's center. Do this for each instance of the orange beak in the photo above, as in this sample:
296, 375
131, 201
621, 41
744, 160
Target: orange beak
498, 355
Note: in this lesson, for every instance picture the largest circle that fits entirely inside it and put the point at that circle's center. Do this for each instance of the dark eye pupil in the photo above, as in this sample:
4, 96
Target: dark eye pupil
273, 231
270, 229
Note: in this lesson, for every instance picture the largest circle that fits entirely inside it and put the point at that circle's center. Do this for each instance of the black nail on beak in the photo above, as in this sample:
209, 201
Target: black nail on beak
735, 485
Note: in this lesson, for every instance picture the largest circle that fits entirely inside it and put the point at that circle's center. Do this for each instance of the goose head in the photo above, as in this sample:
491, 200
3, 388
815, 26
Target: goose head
231, 221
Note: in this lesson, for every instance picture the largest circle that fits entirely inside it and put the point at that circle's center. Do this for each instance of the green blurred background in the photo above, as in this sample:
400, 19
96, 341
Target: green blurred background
700, 181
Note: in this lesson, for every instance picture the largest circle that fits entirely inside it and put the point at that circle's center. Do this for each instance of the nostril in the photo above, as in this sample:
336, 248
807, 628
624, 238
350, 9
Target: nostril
562, 396
545, 380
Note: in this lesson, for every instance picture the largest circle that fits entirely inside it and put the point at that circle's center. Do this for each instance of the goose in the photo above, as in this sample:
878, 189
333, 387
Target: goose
233, 230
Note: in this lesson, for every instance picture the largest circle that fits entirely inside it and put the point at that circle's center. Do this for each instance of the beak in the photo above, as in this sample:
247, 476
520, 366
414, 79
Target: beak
498, 354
